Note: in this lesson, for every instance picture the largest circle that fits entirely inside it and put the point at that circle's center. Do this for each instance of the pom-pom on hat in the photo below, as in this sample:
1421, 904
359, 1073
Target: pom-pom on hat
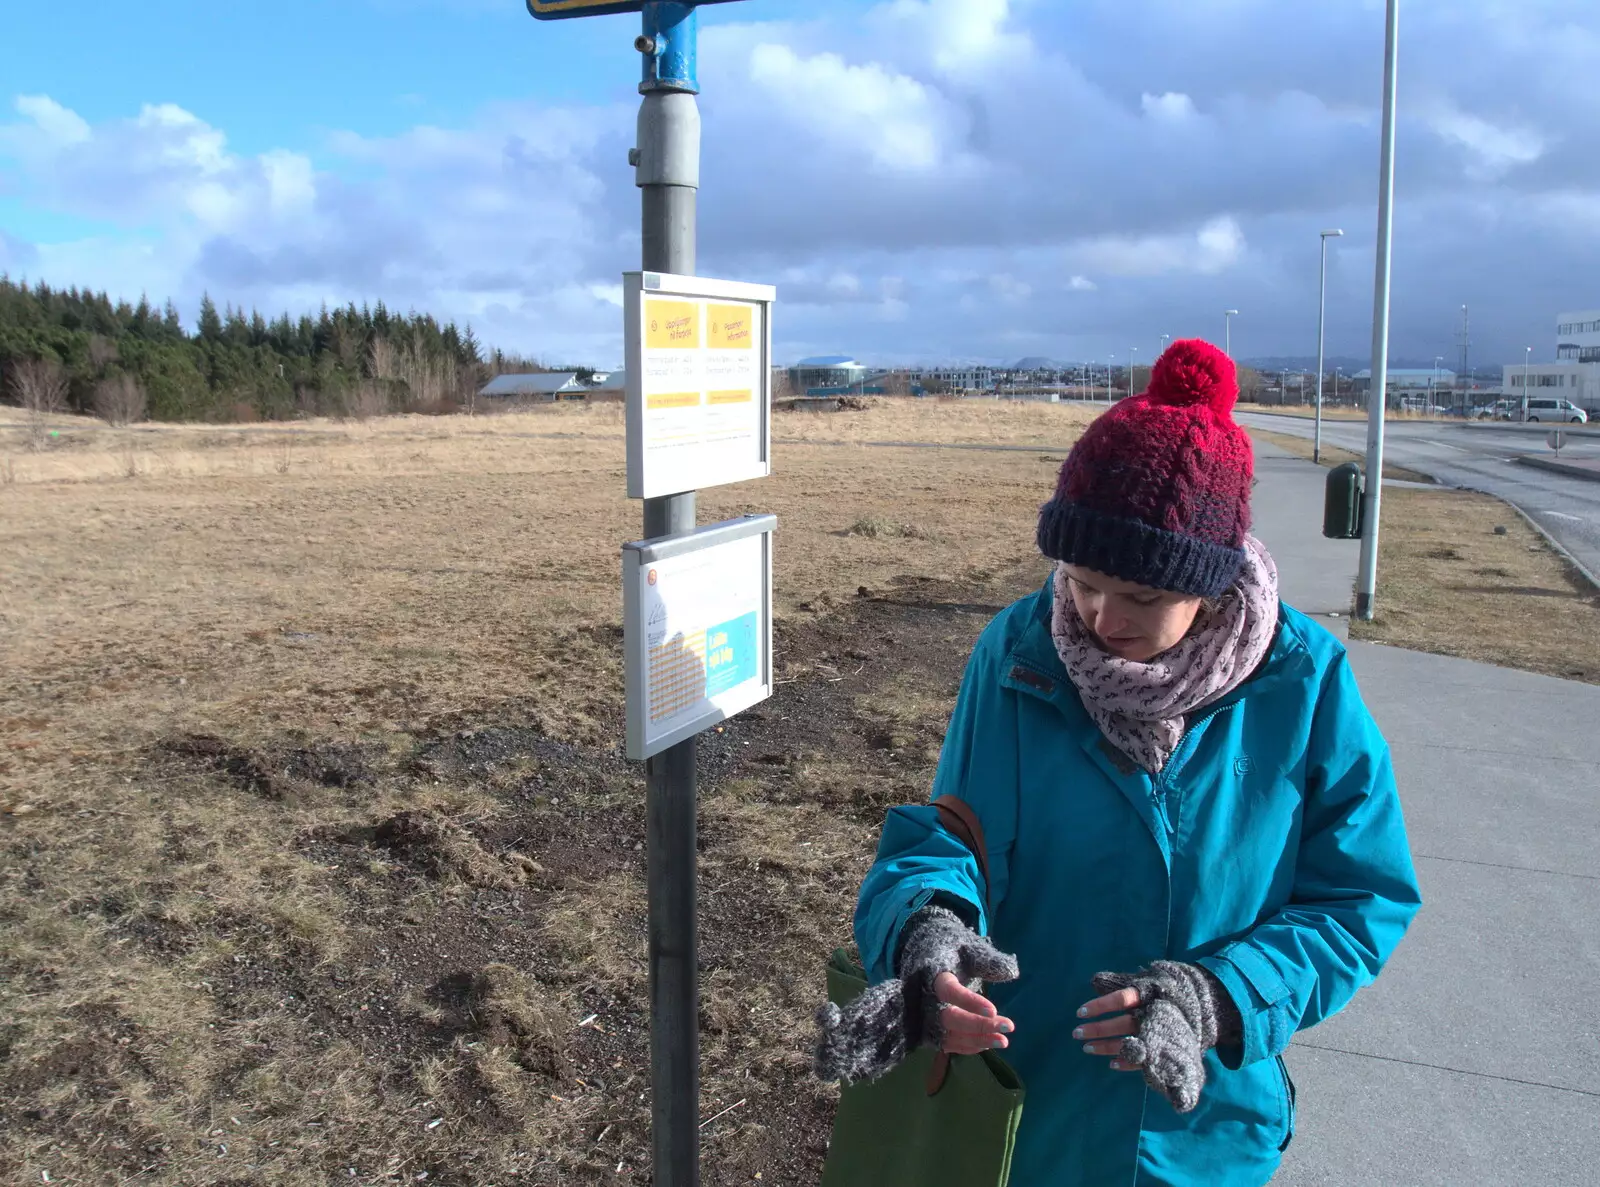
1157, 490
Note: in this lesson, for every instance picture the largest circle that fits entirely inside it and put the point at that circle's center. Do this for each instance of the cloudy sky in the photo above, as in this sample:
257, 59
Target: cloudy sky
924, 180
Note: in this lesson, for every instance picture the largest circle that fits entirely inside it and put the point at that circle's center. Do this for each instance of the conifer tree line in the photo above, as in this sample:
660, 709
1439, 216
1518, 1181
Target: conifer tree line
74, 350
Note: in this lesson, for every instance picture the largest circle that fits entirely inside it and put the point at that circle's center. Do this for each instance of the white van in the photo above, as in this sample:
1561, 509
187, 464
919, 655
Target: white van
1550, 411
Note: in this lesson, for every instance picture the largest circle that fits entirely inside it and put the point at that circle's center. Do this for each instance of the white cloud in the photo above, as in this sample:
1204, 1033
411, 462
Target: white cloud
1010, 289
1172, 107
961, 36
1496, 148
901, 171
165, 167
54, 121
863, 111
1214, 247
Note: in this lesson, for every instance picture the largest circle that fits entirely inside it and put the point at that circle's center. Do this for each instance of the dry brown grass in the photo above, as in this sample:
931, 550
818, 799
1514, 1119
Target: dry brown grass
232, 878
970, 421
316, 855
1448, 584
1333, 455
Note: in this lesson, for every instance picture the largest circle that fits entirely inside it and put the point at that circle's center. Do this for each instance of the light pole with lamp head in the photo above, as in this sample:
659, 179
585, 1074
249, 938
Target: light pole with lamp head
1322, 315
1111, 361
1132, 350
1527, 358
1227, 331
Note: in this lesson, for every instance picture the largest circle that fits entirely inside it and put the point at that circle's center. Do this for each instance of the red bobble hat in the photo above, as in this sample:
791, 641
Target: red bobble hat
1157, 490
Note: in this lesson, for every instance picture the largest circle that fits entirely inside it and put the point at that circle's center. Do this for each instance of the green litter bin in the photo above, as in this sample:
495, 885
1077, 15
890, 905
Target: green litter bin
1341, 508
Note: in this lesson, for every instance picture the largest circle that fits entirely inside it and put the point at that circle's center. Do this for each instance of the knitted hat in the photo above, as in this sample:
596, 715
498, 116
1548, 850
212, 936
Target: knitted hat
1157, 490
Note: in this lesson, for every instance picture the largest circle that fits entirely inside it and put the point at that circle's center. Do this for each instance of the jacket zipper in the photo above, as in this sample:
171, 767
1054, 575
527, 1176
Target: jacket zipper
1158, 793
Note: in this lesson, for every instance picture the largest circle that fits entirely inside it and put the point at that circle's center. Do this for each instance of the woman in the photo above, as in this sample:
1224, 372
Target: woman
1178, 781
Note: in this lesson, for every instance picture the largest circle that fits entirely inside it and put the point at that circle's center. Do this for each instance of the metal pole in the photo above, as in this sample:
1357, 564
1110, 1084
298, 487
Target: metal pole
668, 161
1367, 583
1527, 358
1322, 317
1132, 350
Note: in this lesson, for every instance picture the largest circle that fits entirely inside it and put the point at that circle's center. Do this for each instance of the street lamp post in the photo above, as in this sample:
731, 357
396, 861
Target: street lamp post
1322, 313
1132, 350
1165, 338
1372, 496
1111, 362
1227, 331
1527, 358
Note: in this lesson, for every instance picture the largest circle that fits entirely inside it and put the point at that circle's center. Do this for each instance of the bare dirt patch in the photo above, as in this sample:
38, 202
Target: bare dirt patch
1449, 583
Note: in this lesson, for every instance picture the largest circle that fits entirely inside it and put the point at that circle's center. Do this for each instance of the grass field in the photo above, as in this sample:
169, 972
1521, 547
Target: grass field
318, 860
1448, 582
1332, 455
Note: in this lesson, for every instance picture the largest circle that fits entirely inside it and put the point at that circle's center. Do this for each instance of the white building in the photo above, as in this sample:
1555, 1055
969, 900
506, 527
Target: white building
1575, 375
960, 379
1431, 384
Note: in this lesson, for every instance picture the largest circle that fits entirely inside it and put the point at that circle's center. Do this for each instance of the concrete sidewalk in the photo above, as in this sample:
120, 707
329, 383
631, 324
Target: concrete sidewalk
1475, 1059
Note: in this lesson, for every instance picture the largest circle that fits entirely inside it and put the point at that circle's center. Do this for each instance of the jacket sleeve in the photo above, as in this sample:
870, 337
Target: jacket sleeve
918, 860
1354, 892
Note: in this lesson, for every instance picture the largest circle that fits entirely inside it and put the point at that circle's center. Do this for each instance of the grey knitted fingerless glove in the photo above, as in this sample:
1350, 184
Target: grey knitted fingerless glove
871, 1035
1183, 1012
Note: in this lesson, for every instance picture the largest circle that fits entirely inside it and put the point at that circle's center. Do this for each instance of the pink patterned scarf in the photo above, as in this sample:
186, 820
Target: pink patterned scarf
1142, 707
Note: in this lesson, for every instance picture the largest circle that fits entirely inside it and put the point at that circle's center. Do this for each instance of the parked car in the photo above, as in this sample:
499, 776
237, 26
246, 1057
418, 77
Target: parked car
1499, 410
1545, 410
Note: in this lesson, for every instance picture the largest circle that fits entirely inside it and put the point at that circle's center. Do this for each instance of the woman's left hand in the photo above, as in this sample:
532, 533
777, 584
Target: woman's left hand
1105, 1037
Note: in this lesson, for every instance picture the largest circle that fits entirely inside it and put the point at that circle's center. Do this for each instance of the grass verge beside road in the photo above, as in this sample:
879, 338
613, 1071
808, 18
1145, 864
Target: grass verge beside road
1447, 583
1332, 455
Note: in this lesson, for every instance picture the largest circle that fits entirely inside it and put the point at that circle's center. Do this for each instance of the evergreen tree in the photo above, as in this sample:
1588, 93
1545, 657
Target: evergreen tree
277, 368
210, 323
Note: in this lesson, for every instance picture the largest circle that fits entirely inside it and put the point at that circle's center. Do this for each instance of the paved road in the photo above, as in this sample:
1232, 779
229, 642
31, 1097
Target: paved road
1480, 459
1472, 1059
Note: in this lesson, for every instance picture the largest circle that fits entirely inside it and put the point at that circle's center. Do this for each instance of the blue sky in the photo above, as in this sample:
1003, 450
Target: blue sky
923, 179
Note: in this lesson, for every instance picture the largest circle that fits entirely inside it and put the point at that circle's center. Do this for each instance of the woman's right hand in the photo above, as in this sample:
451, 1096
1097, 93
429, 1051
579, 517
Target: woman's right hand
971, 1022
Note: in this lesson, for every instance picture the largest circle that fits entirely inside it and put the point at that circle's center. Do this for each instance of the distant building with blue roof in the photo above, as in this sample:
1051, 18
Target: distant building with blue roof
826, 372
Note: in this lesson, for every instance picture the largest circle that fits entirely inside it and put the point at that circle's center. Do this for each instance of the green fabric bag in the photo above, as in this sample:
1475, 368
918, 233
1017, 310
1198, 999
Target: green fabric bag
936, 1119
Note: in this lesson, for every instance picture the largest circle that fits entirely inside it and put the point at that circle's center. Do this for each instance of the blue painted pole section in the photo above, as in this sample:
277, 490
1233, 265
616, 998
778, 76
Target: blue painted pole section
672, 31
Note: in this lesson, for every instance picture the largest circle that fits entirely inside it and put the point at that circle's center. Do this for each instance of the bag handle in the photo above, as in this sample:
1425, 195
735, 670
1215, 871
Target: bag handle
961, 822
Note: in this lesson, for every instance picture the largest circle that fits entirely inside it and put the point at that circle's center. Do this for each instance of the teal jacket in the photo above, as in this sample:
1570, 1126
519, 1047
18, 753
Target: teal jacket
1271, 850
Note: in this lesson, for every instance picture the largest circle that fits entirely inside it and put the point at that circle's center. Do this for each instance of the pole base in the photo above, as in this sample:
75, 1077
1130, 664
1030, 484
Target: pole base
1364, 607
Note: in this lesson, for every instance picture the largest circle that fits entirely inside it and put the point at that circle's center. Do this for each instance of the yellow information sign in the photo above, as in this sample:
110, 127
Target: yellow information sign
698, 356
730, 327
672, 325
674, 399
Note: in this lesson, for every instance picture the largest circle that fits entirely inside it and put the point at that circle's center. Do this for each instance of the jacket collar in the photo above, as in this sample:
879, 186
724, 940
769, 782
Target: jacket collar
1034, 667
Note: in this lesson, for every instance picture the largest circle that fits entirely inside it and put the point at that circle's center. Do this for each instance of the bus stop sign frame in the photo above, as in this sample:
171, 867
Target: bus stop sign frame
556, 10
